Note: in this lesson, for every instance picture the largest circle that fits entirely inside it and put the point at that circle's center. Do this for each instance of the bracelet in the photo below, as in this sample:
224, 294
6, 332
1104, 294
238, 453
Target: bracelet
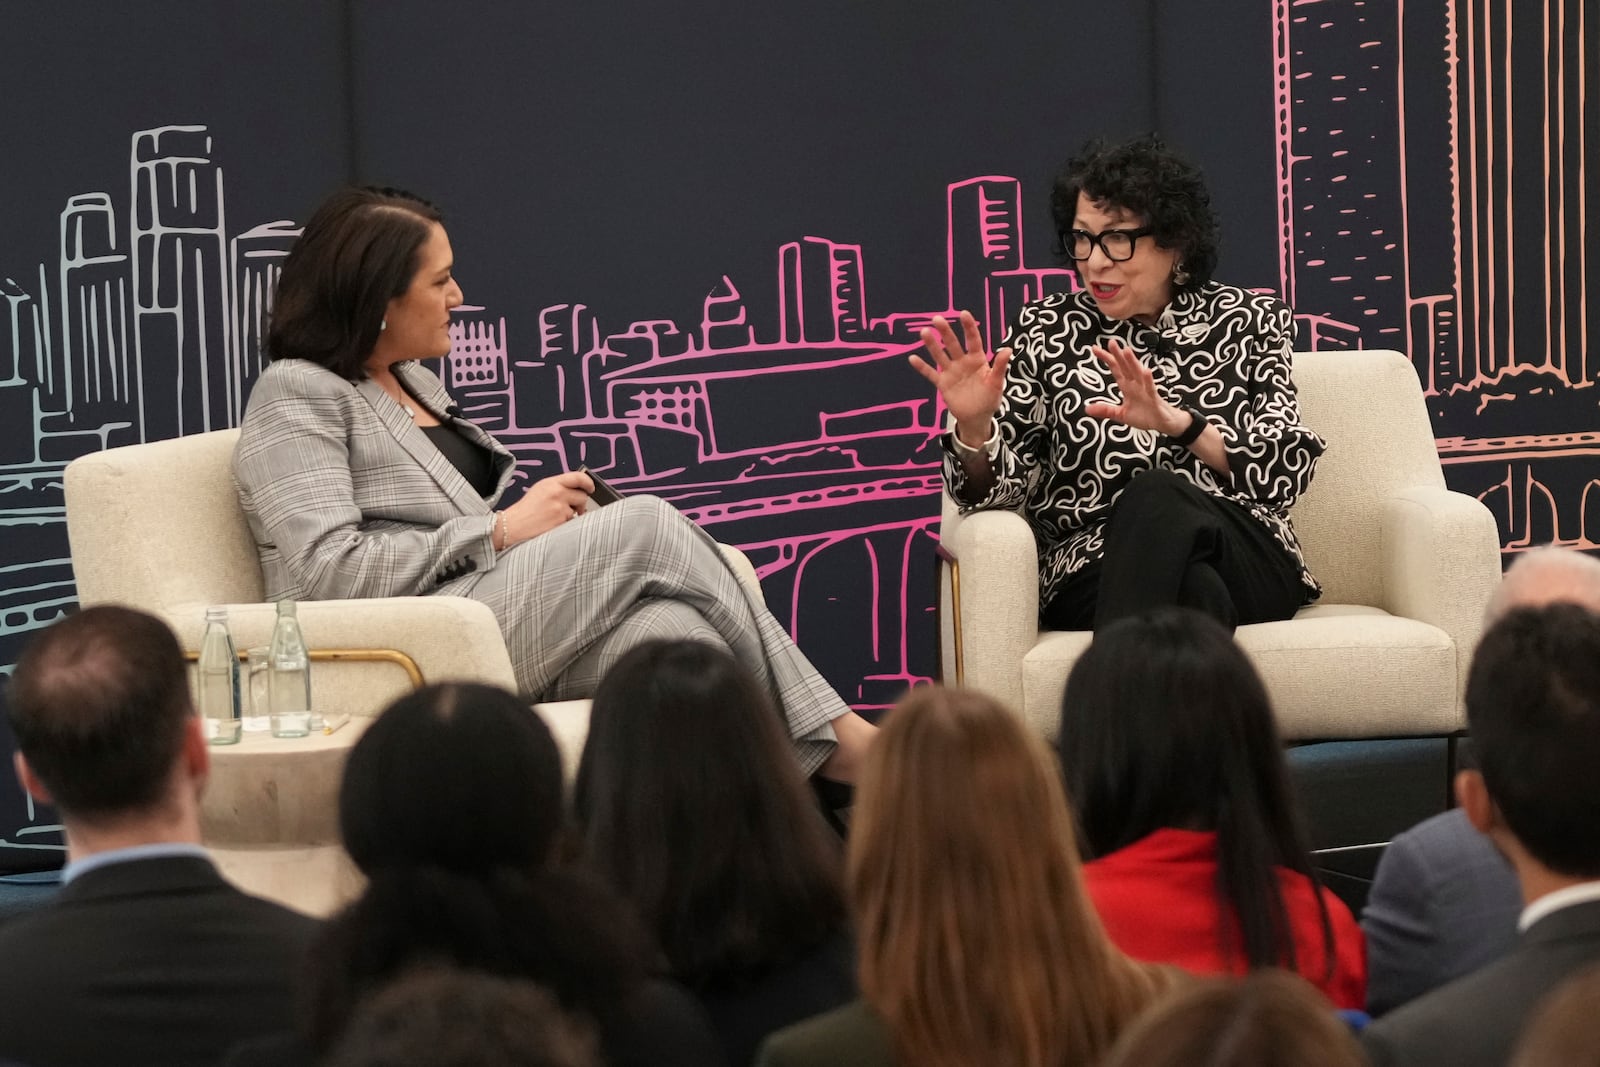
1197, 426
500, 525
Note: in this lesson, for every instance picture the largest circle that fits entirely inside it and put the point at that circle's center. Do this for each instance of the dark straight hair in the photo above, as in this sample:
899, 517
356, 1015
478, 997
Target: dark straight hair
1165, 724
358, 252
451, 805
457, 776
691, 804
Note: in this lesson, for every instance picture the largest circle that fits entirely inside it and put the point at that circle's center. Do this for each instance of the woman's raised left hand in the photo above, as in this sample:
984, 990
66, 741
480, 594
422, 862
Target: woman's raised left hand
1142, 405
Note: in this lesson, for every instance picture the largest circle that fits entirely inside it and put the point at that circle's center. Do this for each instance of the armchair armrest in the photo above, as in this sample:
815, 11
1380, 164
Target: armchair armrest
1440, 563
448, 637
998, 567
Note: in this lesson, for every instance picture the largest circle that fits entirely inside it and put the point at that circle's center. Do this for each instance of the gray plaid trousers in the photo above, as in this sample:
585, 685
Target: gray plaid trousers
573, 600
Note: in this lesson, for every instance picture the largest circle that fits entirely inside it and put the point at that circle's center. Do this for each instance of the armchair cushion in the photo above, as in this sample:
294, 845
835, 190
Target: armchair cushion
1308, 664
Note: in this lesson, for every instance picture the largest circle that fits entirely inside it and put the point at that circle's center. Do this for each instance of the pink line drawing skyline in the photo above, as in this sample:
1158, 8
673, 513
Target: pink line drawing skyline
654, 407
152, 328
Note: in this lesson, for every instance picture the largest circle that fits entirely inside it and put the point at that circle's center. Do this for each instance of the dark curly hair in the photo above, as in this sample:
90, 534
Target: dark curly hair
1146, 177
358, 252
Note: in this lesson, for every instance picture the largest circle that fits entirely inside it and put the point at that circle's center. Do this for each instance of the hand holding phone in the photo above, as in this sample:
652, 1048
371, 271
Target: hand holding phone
603, 492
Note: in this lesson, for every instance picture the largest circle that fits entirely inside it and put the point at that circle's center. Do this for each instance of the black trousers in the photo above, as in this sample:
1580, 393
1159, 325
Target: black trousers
1169, 542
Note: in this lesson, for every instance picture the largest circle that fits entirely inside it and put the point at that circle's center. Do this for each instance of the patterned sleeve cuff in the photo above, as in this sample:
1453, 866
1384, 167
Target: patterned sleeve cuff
961, 450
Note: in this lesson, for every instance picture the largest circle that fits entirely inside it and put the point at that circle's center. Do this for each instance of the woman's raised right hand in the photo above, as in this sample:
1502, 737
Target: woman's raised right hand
548, 503
969, 382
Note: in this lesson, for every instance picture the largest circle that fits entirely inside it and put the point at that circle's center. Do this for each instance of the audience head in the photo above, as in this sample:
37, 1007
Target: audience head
1564, 1029
451, 805
358, 252
1547, 575
1533, 706
1165, 724
976, 939
455, 1018
1271, 1018
691, 804
460, 777
99, 703
1146, 178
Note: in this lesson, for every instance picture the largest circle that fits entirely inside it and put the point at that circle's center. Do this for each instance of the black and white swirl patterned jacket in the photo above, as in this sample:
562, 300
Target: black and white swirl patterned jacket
1221, 350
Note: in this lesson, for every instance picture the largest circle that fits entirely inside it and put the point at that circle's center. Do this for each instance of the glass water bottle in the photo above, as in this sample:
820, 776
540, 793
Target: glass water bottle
219, 680
289, 677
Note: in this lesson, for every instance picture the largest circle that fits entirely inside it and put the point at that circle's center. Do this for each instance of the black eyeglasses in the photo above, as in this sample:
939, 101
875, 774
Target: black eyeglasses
1118, 245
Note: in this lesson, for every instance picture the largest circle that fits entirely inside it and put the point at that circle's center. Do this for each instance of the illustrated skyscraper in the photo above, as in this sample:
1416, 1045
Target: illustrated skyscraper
820, 294
21, 357
1341, 208
478, 372
985, 238
1526, 158
96, 355
255, 259
180, 281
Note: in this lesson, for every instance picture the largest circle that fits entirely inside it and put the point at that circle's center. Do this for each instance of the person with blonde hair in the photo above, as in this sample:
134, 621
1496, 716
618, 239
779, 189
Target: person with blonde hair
1272, 1017
976, 940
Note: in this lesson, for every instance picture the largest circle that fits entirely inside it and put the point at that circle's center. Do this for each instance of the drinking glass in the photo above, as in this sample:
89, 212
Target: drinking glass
256, 703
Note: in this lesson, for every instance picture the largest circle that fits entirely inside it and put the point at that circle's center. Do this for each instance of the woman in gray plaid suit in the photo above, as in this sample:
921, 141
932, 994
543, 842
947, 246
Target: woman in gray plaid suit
360, 478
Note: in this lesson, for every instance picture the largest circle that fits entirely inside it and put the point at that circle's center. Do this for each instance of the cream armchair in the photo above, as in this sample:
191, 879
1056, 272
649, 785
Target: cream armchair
1406, 567
158, 527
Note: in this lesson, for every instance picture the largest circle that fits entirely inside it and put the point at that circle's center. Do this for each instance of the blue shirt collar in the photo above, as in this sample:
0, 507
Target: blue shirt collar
159, 850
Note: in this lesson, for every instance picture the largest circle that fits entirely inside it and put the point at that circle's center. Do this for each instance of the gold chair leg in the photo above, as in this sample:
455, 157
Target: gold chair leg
949, 559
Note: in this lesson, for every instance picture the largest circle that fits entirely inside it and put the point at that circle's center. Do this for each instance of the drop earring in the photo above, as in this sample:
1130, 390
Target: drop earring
1179, 275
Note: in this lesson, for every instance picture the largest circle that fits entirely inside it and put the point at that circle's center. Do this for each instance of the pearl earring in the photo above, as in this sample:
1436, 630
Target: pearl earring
384, 325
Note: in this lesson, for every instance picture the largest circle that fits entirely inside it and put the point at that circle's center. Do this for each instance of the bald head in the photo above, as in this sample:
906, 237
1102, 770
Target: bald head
1547, 575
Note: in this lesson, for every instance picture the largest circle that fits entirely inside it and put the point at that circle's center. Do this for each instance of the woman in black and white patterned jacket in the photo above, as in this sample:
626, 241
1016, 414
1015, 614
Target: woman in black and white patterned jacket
1145, 424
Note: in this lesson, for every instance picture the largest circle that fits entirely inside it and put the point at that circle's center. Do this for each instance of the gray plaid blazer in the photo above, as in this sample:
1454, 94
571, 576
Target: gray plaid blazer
347, 498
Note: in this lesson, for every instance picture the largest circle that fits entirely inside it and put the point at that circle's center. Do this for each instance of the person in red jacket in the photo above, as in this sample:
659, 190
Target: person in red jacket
1173, 764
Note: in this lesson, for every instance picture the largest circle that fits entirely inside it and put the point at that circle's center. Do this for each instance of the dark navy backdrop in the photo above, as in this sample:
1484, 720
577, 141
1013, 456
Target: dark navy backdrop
697, 240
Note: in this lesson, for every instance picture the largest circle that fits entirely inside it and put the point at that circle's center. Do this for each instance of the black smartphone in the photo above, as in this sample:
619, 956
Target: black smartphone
603, 493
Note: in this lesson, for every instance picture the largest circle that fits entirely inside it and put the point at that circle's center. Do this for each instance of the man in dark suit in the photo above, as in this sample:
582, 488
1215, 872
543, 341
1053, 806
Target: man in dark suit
1533, 704
1443, 902
147, 956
